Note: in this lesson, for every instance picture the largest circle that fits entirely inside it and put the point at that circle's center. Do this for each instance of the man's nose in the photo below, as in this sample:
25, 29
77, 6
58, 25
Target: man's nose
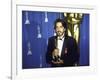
58, 29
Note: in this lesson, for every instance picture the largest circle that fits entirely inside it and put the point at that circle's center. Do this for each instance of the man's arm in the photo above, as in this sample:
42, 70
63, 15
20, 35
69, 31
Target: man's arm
49, 51
73, 54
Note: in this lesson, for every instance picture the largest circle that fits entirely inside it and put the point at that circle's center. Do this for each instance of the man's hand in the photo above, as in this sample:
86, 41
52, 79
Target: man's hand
58, 62
55, 52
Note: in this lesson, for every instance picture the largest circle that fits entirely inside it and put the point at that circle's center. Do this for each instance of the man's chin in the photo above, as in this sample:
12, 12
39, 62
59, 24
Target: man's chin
59, 35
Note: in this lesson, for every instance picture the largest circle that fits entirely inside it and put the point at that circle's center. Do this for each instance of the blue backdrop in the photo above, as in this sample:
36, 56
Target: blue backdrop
38, 45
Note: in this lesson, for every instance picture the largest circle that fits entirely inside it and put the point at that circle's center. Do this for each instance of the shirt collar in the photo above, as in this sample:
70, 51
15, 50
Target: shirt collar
61, 38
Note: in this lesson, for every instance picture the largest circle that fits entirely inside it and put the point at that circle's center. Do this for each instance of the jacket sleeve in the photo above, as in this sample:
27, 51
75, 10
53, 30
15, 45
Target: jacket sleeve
73, 55
49, 51
75, 52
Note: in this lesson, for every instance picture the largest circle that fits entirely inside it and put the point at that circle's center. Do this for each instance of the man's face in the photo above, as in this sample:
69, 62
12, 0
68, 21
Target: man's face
59, 29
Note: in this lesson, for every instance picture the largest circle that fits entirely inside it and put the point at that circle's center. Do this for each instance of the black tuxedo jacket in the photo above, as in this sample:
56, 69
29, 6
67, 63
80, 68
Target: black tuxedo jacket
69, 53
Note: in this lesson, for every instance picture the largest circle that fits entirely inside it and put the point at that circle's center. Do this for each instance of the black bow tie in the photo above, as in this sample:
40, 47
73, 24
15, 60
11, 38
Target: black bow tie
59, 39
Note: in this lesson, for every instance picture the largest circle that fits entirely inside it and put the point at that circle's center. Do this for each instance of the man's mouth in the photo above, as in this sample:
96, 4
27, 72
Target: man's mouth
59, 32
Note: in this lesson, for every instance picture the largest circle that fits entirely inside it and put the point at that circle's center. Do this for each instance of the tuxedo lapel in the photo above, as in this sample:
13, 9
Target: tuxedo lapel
55, 42
64, 46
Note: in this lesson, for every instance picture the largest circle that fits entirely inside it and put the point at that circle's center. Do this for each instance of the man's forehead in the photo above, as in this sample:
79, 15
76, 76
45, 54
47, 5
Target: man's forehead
59, 24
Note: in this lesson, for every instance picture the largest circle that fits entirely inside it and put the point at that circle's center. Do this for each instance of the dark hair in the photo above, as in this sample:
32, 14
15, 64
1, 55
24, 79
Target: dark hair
62, 21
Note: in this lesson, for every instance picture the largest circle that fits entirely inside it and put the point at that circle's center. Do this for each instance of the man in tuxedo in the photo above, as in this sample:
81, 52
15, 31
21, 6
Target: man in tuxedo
62, 50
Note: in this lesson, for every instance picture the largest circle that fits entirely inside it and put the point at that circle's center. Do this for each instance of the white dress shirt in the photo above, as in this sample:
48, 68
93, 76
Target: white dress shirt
60, 41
